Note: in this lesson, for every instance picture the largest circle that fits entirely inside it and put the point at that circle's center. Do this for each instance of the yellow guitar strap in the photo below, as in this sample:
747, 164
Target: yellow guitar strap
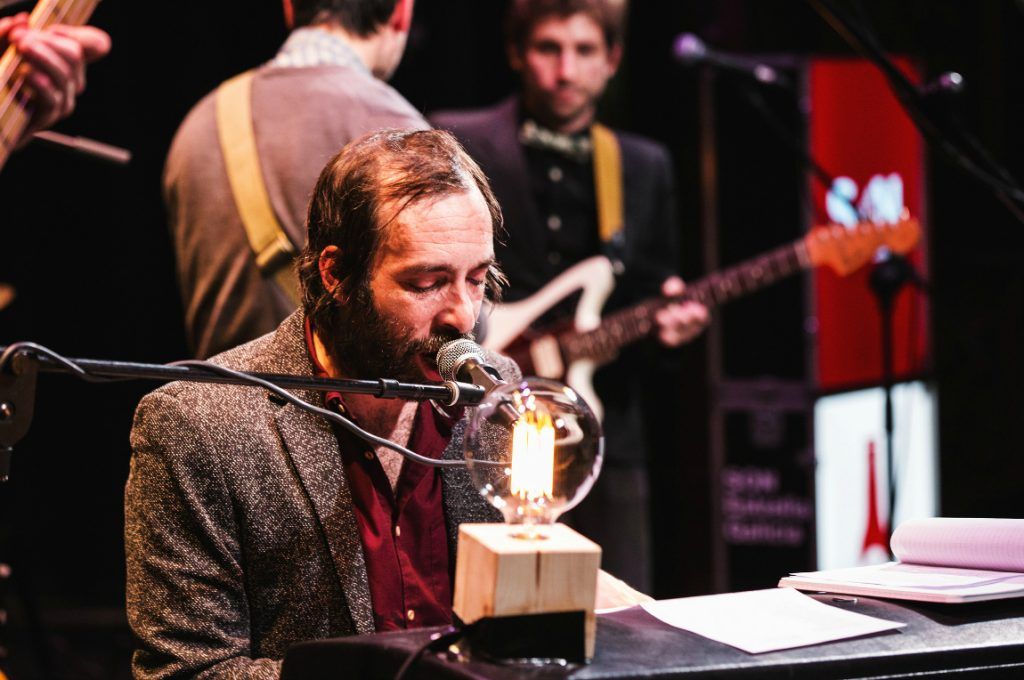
273, 249
607, 181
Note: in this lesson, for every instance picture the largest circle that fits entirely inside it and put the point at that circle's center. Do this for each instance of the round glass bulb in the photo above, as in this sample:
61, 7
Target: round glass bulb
533, 448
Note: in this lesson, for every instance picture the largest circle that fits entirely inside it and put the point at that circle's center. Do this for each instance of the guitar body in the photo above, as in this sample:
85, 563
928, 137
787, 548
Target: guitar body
539, 353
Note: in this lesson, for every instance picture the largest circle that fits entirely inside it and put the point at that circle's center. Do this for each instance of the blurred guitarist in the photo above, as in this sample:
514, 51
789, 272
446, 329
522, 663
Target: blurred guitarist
540, 150
240, 170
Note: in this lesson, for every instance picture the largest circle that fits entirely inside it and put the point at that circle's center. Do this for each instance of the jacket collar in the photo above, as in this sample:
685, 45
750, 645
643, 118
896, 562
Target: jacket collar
313, 449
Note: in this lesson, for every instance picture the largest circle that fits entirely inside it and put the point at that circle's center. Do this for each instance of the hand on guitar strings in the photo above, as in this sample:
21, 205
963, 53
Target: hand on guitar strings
55, 59
679, 322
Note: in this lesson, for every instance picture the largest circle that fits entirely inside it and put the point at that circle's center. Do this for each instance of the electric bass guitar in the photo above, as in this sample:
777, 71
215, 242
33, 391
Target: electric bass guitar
15, 109
571, 352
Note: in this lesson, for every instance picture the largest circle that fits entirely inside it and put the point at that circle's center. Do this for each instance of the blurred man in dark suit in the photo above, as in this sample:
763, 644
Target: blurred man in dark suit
539, 149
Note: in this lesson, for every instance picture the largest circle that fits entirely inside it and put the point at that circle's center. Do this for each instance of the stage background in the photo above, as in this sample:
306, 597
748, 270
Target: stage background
86, 246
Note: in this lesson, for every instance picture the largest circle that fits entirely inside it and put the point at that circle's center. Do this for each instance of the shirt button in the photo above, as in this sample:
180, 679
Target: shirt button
554, 223
554, 258
555, 174
411, 615
398, 531
369, 456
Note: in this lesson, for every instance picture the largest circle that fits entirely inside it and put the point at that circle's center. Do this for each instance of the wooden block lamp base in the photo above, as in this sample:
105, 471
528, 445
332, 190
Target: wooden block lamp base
500, 574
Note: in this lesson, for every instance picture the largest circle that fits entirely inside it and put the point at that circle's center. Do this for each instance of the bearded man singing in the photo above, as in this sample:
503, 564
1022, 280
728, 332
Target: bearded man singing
251, 524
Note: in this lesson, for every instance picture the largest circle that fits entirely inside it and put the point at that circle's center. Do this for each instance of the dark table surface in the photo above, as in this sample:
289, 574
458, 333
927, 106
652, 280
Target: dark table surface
964, 640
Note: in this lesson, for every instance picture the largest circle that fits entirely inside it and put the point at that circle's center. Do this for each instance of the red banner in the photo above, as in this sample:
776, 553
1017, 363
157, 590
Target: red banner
858, 130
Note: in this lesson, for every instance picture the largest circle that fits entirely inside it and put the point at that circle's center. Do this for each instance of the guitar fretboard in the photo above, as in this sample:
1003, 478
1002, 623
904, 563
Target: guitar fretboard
633, 323
15, 113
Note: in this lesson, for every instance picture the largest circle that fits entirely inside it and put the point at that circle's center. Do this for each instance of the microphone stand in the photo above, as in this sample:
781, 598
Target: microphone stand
886, 280
17, 386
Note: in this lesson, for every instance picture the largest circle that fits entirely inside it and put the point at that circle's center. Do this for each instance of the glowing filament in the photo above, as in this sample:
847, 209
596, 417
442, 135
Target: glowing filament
533, 457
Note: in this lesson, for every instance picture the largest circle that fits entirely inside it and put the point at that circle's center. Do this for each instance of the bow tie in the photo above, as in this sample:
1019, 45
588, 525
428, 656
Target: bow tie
576, 147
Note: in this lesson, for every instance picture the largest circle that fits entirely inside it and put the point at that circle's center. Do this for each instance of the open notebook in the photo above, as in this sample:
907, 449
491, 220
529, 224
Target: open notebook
942, 559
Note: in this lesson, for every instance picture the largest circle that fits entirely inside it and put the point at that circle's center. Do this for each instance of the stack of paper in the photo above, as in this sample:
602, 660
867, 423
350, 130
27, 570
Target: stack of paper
949, 560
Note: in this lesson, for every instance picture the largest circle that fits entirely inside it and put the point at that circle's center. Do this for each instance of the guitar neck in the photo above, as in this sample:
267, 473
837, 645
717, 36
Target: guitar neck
628, 325
15, 110
747, 277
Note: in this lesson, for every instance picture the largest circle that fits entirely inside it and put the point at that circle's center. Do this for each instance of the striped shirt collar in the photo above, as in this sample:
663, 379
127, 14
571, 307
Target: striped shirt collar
312, 46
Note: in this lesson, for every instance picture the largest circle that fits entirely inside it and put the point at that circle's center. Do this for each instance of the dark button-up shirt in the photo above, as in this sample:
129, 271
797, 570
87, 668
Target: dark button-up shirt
405, 543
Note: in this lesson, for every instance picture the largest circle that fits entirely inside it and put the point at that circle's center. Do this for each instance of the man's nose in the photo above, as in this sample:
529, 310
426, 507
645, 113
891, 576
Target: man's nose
567, 65
459, 311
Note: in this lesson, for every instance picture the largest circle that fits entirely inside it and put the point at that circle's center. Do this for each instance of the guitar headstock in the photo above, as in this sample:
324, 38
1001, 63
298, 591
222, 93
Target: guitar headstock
847, 249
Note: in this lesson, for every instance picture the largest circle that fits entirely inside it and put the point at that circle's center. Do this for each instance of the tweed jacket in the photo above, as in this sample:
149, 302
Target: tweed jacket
239, 528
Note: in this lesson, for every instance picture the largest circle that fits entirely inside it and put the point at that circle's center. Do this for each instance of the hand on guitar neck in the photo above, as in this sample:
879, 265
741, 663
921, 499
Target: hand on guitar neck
679, 323
52, 72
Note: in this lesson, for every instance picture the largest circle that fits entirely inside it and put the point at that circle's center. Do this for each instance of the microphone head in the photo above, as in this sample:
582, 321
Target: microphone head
689, 49
951, 82
453, 355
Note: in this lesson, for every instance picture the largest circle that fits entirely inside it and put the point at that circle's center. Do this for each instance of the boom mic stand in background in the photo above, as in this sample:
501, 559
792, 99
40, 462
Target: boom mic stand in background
943, 131
889, 274
887, 279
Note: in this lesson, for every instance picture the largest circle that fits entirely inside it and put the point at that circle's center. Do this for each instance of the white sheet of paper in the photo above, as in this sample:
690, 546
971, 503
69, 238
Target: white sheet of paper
760, 621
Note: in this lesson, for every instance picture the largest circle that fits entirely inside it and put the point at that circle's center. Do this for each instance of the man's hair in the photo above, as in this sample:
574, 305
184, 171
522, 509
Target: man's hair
359, 17
361, 193
523, 15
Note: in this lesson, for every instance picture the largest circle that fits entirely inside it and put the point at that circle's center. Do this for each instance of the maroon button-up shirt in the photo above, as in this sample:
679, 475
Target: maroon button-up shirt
404, 534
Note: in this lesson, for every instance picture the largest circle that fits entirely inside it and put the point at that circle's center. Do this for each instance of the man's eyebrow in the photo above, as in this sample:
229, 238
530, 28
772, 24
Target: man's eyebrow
443, 268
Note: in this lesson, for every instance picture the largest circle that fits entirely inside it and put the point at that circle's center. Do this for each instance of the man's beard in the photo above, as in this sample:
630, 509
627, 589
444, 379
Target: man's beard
368, 346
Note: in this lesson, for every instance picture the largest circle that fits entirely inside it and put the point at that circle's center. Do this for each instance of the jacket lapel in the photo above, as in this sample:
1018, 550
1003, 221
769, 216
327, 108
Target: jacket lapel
313, 448
510, 175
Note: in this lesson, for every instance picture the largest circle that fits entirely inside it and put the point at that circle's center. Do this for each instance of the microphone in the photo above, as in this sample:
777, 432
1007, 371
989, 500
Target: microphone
945, 84
463, 361
689, 50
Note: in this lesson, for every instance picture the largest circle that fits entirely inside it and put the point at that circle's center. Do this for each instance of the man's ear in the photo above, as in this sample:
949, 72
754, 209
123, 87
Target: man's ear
515, 56
401, 16
328, 266
614, 58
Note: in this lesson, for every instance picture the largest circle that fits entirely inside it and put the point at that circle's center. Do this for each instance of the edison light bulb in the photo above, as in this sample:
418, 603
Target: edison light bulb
534, 449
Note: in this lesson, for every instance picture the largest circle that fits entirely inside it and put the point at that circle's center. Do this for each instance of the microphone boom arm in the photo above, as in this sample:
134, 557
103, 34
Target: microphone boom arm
26, 359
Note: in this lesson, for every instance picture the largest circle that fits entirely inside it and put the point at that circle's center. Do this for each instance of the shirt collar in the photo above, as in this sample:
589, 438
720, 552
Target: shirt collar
313, 46
577, 147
